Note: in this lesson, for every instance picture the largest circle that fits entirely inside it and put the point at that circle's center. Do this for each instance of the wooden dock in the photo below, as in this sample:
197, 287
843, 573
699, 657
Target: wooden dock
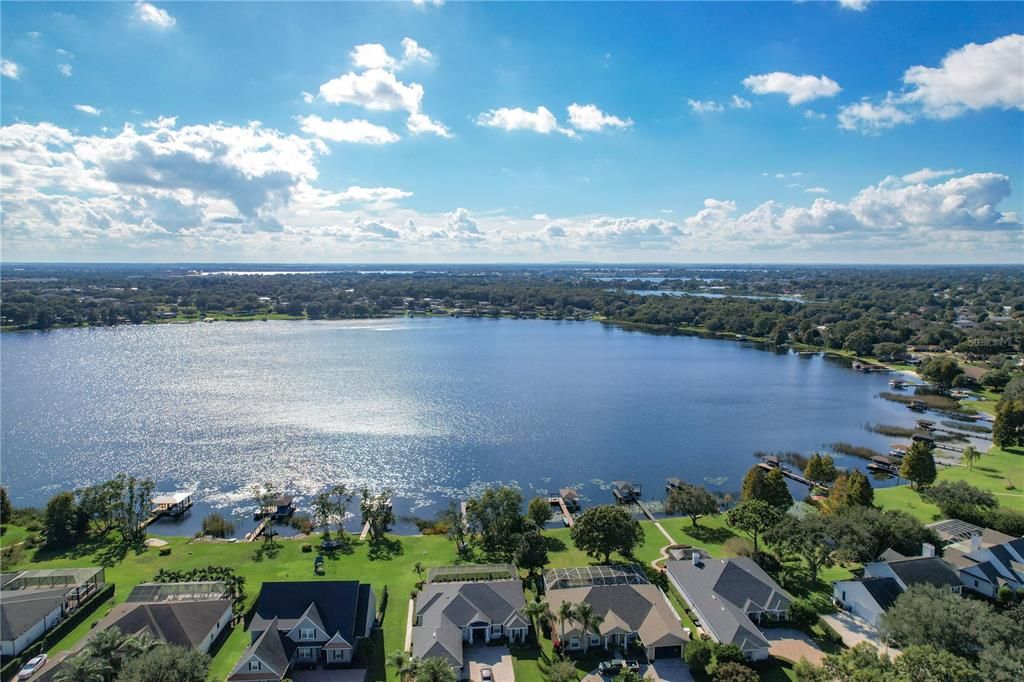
566, 516
262, 526
647, 512
792, 476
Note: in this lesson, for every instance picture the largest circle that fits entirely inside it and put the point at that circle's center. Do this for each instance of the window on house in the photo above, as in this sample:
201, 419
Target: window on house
594, 640
254, 665
307, 633
338, 654
574, 643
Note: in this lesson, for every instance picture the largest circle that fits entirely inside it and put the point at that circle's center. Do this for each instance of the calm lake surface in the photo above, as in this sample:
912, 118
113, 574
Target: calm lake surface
431, 408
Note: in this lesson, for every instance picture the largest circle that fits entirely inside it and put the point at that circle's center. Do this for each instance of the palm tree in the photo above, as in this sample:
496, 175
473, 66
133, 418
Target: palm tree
418, 567
538, 612
969, 456
105, 645
589, 622
566, 611
82, 668
404, 663
434, 670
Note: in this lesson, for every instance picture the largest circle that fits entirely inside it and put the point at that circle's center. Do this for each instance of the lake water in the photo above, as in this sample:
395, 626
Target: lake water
430, 408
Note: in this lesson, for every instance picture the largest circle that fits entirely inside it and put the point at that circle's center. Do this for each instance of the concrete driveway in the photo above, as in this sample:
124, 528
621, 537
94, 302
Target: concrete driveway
329, 675
497, 658
792, 645
669, 670
854, 630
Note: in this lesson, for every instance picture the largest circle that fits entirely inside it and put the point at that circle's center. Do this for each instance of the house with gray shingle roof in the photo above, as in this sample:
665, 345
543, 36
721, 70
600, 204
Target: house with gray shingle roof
730, 597
452, 615
33, 602
305, 625
632, 610
987, 561
871, 595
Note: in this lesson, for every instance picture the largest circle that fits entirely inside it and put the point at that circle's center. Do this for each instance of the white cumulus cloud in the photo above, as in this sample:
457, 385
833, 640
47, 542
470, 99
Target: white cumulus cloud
704, 106
65, 70
927, 175
971, 78
357, 130
88, 109
591, 119
516, 118
737, 102
798, 89
855, 5
10, 69
153, 15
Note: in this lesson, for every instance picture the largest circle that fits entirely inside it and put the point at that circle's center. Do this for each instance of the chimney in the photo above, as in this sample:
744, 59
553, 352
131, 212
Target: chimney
927, 549
975, 542
695, 558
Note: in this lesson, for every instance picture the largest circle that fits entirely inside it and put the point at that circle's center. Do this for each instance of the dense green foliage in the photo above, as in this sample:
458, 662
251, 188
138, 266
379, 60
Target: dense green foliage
754, 517
918, 465
843, 308
604, 529
691, 500
1008, 429
852, 488
496, 520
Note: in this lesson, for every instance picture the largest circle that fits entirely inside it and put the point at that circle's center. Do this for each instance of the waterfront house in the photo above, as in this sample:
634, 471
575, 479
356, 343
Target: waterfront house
33, 602
452, 614
869, 596
730, 597
634, 612
280, 507
191, 615
987, 560
305, 625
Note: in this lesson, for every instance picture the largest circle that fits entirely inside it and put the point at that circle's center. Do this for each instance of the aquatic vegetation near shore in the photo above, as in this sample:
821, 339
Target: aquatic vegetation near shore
844, 448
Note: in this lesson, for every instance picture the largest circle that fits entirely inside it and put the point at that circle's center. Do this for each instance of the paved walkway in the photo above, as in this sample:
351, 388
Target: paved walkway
408, 624
854, 630
792, 645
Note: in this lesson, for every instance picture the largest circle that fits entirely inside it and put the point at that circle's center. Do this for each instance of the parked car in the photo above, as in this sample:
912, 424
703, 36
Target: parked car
487, 675
32, 667
611, 667
631, 665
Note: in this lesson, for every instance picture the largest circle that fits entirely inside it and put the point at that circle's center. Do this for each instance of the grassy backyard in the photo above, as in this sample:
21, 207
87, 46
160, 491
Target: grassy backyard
1000, 471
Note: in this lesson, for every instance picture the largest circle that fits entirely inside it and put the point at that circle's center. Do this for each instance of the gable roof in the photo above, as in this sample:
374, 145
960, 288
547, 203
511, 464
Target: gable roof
443, 609
884, 591
723, 591
336, 604
462, 603
185, 624
270, 650
20, 610
625, 608
925, 571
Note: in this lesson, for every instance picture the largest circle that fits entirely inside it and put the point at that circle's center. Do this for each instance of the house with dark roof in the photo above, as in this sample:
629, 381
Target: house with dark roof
730, 597
452, 615
189, 615
633, 611
305, 625
33, 602
988, 560
869, 596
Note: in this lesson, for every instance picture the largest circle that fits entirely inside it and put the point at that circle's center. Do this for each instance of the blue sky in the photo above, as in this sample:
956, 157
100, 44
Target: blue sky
408, 132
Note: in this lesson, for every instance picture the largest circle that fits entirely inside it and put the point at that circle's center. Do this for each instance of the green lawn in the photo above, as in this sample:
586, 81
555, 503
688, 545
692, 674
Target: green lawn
12, 535
1000, 471
290, 564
